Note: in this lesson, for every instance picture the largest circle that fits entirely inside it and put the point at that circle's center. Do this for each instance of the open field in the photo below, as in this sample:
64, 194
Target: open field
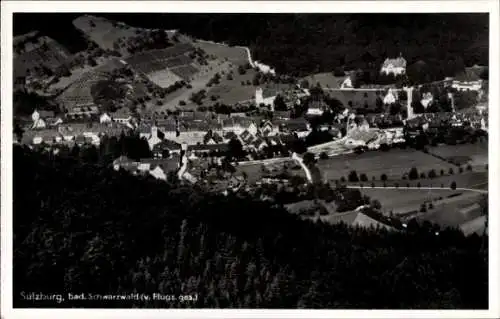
455, 212
78, 72
450, 207
475, 179
393, 163
164, 78
186, 72
166, 66
198, 83
401, 201
326, 79
475, 154
231, 91
234, 55
104, 32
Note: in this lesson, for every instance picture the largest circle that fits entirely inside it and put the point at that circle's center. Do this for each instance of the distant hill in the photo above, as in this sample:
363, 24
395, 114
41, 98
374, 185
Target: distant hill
303, 44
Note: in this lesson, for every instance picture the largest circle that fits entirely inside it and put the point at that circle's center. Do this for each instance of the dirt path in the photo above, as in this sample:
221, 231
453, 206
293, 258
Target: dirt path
482, 191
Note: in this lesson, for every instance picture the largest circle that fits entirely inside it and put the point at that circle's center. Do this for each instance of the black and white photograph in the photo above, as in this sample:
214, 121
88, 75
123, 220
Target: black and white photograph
273, 159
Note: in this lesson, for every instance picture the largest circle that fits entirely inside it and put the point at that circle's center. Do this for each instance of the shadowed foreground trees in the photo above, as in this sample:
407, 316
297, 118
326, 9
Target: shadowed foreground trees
84, 228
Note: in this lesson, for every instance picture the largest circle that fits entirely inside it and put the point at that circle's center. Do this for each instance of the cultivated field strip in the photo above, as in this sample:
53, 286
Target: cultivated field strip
173, 59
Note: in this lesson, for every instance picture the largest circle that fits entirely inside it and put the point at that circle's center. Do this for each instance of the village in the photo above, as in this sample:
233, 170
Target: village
161, 99
207, 133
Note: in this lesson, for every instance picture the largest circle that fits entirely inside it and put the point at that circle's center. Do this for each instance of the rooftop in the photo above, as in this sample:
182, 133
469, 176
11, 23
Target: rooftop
398, 62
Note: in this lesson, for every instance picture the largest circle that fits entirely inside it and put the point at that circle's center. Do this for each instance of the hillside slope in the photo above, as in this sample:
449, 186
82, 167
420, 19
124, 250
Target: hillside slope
84, 228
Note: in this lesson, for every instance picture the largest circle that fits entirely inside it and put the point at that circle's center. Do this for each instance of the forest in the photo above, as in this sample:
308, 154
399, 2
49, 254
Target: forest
81, 227
301, 44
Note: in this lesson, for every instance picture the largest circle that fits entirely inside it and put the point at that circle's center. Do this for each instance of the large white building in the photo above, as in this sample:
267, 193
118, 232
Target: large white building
394, 66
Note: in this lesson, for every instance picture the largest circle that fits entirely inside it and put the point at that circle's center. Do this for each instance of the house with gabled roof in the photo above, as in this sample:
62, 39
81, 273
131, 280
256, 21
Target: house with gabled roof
217, 138
166, 146
123, 115
391, 97
247, 137
155, 137
238, 125
105, 118
40, 118
395, 66
267, 128
212, 137
259, 143
298, 126
144, 130
82, 110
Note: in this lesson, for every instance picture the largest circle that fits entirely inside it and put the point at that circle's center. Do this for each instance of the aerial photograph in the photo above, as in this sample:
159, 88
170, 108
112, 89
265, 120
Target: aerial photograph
250, 160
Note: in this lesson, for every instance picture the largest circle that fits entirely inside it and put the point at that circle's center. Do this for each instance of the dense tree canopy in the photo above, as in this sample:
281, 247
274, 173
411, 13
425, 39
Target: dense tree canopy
298, 44
84, 228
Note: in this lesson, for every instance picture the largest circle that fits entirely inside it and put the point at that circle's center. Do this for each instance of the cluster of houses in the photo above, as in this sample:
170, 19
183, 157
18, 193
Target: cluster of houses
203, 132
208, 133
469, 118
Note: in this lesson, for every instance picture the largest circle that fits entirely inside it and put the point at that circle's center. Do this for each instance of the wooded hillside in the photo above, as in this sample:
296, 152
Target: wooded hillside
84, 228
301, 44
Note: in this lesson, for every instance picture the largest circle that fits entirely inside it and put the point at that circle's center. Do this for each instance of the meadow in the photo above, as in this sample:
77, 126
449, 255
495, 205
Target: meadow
394, 164
236, 55
475, 154
102, 31
326, 79
232, 91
